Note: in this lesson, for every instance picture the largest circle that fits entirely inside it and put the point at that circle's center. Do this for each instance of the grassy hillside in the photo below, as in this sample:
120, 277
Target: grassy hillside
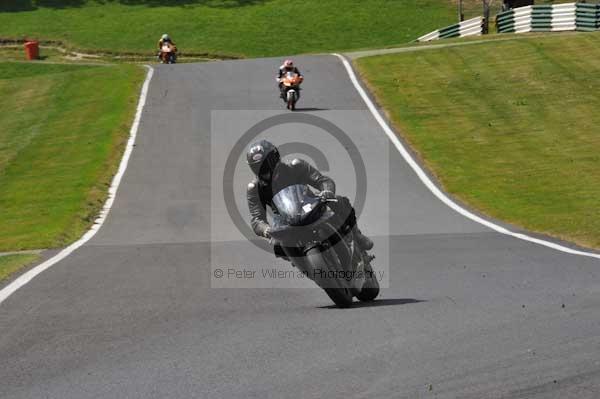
227, 27
62, 131
509, 127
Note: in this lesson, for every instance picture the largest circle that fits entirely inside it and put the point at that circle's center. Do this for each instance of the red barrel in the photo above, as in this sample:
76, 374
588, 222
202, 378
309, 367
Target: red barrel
32, 50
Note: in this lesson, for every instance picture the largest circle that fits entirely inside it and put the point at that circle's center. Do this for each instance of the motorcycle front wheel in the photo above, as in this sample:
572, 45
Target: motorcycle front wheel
336, 289
370, 289
291, 104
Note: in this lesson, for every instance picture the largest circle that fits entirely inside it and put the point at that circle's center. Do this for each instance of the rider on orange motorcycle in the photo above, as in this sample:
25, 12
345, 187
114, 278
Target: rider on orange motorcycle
165, 39
288, 66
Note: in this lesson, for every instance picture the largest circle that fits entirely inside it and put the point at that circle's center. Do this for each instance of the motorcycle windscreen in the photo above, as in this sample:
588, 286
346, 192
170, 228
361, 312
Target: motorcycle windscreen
291, 79
296, 205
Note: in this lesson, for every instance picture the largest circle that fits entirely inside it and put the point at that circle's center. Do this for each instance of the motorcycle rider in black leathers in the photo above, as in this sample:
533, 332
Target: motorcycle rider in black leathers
273, 175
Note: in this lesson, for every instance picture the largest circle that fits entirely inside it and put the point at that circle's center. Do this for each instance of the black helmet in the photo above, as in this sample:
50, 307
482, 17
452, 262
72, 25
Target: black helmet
262, 157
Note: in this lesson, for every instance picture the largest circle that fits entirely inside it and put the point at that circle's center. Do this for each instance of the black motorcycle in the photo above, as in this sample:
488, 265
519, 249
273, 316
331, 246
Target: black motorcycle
321, 246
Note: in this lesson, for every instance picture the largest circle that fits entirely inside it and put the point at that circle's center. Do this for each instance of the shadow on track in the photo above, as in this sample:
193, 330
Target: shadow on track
311, 109
378, 302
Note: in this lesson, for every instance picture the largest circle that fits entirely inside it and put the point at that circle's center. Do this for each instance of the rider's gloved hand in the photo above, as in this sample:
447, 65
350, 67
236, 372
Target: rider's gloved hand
327, 195
267, 233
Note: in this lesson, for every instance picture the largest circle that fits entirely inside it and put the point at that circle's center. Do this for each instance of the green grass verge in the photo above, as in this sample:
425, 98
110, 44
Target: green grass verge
16, 53
10, 264
62, 132
226, 27
508, 127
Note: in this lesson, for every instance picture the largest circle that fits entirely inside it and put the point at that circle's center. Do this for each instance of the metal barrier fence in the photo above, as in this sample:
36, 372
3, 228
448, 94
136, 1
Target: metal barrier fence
471, 27
550, 18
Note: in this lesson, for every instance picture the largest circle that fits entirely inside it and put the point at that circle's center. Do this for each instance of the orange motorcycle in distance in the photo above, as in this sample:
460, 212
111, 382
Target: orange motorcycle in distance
291, 82
167, 53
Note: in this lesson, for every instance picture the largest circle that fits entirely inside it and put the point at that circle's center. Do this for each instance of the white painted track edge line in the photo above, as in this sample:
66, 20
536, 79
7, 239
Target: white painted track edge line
432, 187
112, 192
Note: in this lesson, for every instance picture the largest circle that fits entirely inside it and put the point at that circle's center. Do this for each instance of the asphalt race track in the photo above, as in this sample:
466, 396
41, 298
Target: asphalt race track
134, 313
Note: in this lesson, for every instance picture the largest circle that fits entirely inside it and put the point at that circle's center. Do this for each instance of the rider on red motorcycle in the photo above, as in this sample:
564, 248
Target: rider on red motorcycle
165, 39
288, 66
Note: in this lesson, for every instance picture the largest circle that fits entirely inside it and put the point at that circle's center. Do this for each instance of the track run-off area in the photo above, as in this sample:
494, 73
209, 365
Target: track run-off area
135, 310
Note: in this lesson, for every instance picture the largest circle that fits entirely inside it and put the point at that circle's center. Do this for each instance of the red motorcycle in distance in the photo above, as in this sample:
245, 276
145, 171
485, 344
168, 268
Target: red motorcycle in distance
291, 82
